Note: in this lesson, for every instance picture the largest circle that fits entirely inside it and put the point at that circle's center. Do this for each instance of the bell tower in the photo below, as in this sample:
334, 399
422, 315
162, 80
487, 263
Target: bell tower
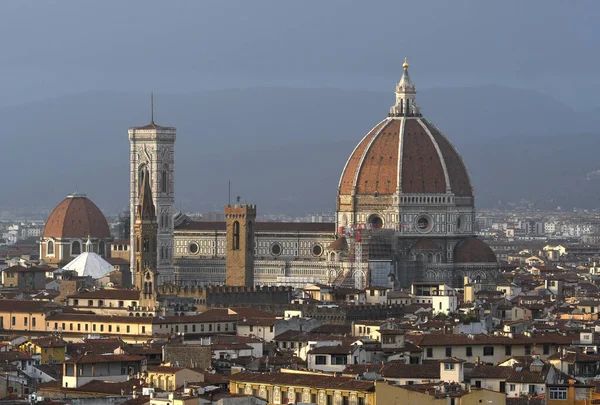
239, 260
152, 149
145, 237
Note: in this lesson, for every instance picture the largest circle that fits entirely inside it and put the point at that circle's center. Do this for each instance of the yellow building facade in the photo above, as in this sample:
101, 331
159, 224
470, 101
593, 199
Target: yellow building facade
51, 349
320, 389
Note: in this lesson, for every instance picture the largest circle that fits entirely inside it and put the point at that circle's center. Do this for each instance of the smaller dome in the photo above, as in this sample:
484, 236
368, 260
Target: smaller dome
76, 217
473, 250
339, 244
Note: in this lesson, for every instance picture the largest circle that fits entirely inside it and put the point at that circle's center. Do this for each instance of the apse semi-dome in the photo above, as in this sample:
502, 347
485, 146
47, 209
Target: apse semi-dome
76, 217
473, 250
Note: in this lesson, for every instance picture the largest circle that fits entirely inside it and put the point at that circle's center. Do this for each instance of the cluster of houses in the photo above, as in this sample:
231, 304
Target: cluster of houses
535, 337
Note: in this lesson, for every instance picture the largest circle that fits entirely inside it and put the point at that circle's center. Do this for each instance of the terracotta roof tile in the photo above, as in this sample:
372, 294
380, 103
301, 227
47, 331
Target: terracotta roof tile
473, 250
373, 165
399, 369
108, 293
103, 358
306, 380
76, 217
348, 176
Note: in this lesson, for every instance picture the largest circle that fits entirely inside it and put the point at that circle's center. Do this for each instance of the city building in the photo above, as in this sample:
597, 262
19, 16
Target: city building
83, 369
152, 154
405, 211
71, 225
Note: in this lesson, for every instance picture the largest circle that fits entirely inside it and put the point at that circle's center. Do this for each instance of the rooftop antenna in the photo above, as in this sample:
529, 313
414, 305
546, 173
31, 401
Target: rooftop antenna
152, 107
229, 197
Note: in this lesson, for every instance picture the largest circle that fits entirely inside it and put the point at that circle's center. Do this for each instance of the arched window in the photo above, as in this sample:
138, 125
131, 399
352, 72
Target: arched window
75, 248
236, 235
146, 246
142, 173
164, 177
162, 252
101, 248
250, 242
50, 247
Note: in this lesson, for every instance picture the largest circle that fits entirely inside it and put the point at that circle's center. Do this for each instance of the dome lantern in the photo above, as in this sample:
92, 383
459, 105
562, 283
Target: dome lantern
405, 96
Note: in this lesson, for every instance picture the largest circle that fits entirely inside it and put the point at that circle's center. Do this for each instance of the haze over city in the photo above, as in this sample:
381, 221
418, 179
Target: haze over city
77, 75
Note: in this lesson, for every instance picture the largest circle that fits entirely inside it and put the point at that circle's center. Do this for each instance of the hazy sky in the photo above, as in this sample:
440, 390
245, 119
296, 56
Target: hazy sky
50, 48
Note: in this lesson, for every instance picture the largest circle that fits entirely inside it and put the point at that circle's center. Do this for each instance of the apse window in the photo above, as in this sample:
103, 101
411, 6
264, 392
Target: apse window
193, 248
276, 249
317, 250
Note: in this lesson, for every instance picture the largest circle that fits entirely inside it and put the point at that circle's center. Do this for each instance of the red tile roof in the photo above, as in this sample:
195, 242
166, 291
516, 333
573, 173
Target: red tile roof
373, 165
473, 250
108, 293
399, 369
103, 358
306, 380
480, 339
76, 217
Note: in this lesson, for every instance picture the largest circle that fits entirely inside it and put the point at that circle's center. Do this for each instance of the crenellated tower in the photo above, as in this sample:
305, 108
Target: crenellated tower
239, 267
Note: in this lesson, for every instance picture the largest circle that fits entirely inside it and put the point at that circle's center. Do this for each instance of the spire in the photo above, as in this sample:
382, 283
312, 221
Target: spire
145, 208
152, 108
405, 96
88, 245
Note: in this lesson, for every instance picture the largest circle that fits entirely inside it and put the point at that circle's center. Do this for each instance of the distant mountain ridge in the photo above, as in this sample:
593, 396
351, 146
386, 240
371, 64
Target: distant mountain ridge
285, 148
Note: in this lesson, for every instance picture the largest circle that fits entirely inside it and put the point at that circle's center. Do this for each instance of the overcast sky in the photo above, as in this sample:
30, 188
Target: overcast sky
50, 48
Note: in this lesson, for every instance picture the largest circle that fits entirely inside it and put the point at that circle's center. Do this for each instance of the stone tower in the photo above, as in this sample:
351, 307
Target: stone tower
145, 236
152, 150
240, 220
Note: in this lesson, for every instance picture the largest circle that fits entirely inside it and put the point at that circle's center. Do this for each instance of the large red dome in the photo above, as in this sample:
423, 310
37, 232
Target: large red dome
76, 217
409, 152
405, 154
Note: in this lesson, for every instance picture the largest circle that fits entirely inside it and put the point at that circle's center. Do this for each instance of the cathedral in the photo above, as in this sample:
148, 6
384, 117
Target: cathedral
405, 211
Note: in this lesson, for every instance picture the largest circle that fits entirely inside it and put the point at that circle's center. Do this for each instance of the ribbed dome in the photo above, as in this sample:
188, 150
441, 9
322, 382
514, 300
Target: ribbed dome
473, 250
76, 217
405, 153
409, 152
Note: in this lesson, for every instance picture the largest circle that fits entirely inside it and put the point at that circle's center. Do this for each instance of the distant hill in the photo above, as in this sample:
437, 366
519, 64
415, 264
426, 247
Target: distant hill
284, 149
